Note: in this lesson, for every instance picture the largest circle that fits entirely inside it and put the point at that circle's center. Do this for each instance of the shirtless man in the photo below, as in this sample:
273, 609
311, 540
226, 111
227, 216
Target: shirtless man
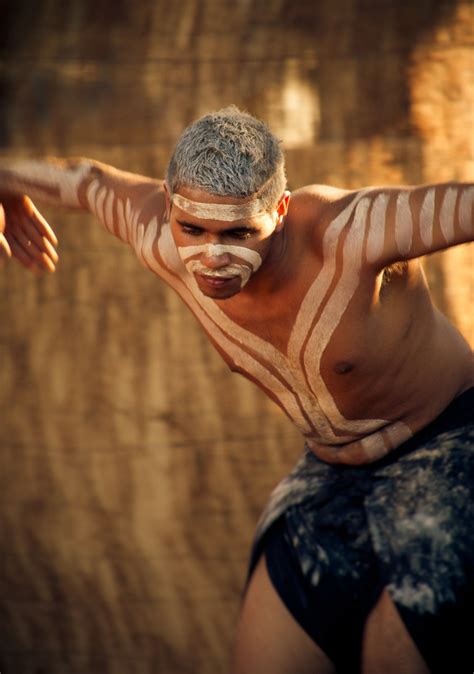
364, 556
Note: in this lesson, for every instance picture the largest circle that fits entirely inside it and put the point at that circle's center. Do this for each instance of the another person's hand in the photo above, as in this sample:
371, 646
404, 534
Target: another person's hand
26, 236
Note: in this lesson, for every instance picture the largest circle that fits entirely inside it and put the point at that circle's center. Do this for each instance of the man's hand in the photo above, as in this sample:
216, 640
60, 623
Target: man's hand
26, 236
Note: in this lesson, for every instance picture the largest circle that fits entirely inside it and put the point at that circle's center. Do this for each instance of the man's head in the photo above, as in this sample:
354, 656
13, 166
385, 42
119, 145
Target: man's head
226, 187
229, 153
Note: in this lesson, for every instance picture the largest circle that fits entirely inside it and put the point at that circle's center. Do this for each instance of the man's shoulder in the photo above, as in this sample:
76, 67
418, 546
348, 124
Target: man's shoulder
322, 192
312, 206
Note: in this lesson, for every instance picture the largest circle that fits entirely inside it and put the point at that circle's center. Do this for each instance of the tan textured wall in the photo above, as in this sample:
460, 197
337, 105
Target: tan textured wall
133, 465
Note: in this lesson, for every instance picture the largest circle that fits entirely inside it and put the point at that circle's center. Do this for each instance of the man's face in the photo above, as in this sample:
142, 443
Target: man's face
221, 254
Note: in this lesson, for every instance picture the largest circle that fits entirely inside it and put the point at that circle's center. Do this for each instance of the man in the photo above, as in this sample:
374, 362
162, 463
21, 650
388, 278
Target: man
364, 557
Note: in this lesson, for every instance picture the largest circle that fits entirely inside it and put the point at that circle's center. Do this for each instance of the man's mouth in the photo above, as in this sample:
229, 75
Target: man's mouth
216, 281
221, 277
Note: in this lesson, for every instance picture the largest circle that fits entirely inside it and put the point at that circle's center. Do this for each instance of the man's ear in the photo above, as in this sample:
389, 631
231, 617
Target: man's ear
282, 209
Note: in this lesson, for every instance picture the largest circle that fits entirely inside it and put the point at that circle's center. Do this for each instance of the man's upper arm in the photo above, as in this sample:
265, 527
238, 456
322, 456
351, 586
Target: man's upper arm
122, 201
116, 197
390, 224
405, 223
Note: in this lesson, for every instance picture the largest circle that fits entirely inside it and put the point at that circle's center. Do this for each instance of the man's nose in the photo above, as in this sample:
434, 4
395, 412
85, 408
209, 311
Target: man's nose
215, 259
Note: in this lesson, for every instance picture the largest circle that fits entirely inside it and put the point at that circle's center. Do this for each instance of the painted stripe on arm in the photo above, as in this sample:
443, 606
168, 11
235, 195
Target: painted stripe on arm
427, 217
403, 224
376, 236
446, 216
466, 216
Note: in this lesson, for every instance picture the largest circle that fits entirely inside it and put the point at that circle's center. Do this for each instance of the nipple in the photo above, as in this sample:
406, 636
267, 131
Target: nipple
343, 367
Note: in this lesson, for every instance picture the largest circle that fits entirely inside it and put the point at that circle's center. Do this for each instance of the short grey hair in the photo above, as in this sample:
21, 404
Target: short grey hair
229, 153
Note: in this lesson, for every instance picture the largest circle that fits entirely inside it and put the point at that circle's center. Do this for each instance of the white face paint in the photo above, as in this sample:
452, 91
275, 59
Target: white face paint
230, 271
224, 212
252, 258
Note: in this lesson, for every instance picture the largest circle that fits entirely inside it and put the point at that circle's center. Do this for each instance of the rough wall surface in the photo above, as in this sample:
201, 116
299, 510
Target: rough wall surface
133, 465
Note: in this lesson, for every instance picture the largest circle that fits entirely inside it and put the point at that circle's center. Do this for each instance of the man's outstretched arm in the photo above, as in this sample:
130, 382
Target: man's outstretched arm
384, 225
405, 223
116, 197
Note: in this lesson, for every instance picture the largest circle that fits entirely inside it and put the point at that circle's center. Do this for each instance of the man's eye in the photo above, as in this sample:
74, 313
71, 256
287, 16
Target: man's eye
192, 231
240, 234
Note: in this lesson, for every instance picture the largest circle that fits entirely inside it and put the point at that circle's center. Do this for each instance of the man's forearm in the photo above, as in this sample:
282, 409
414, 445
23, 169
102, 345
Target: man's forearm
55, 181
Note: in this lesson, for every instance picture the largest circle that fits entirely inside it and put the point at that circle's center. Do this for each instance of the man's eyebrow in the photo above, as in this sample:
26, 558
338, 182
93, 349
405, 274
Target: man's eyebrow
248, 228
234, 228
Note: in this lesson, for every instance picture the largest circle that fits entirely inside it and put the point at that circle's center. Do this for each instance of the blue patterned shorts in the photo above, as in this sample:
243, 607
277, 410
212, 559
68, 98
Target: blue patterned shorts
335, 536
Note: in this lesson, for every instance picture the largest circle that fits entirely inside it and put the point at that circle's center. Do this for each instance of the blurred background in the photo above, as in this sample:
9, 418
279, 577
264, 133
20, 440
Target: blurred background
133, 465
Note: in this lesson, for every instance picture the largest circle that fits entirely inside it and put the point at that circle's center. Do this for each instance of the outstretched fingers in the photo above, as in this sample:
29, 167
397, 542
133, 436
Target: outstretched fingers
5, 250
38, 222
31, 240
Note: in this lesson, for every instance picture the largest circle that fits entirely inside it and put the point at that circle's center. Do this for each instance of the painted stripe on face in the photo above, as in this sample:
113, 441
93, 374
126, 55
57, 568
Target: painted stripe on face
403, 224
427, 217
211, 249
446, 216
224, 212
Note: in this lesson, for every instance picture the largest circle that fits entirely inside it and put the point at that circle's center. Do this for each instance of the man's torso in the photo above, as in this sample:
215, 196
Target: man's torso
358, 360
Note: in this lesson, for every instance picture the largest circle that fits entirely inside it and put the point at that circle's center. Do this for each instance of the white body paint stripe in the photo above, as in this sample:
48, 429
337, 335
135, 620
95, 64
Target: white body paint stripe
109, 211
446, 216
374, 445
99, 203
122, 224
376, 236
128, 219
317, 291
91, 195
466, 215
403, 224
427, 217
329, 320
102, 201
398, 432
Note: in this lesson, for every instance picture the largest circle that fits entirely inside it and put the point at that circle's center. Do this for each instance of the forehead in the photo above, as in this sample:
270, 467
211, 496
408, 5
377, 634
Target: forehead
204, 208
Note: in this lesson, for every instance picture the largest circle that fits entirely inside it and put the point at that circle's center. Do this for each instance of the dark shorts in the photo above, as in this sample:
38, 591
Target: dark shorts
335, 536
